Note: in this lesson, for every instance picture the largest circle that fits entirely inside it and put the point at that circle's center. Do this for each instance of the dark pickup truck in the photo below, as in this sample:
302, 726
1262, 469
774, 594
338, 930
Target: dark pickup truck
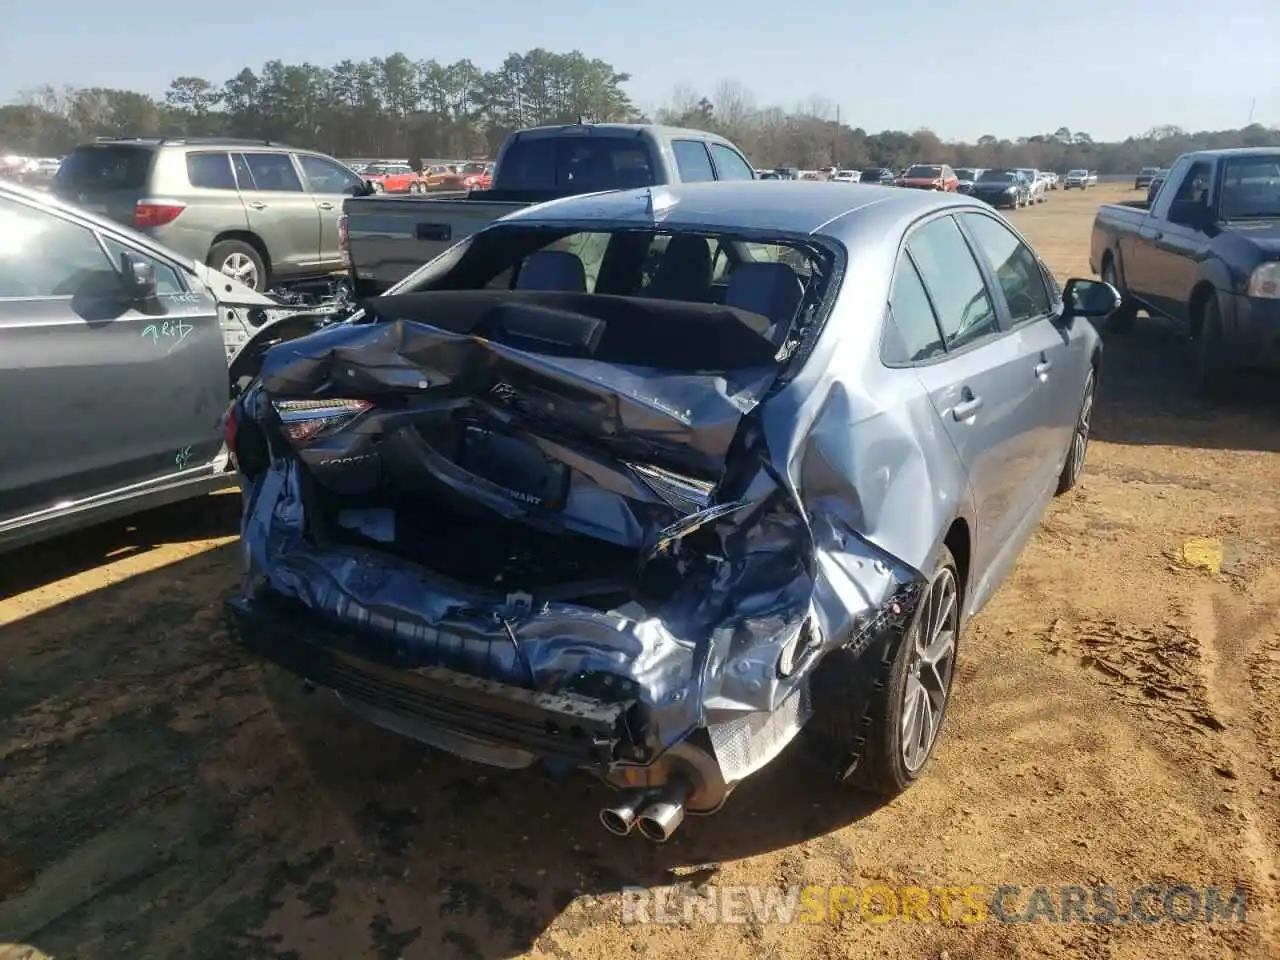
385, 238
1206, 253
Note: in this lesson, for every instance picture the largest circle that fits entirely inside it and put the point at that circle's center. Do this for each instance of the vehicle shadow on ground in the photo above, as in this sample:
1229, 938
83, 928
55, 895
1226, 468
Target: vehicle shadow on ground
165, 794
202, 518
1146, 396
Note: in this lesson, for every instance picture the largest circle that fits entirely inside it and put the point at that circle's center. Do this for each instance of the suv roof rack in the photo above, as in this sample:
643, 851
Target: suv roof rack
203, 141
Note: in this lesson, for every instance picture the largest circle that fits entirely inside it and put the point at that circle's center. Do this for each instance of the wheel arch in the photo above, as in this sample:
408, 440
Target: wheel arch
244, 236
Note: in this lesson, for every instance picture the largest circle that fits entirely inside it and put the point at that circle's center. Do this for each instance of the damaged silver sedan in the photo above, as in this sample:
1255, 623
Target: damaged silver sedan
643, 483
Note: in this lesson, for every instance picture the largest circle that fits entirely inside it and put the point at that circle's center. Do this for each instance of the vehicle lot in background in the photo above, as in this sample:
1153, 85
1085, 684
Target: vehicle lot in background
256, 211
154, 789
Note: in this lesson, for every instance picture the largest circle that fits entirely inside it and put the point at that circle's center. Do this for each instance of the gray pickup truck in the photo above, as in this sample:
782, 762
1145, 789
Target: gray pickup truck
387, 238
1206, 254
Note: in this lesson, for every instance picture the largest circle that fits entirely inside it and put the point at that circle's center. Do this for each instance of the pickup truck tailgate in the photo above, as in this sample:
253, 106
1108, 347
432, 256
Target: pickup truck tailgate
390, 237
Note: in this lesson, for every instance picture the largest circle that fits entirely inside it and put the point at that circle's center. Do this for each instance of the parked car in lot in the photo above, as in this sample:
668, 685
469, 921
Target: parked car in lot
1206, 254
649, 520
1002, 188
388, 239
393, 178
925, 176
114, 352
881, 176
1036, 185
1050, 179
257, 211
1143, 180
1154, 187
847, 176
1079, 179
965, 177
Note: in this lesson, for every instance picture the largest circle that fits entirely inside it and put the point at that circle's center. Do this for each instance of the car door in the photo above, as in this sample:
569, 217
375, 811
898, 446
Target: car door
1056, 368
279, 210
99, 394
1138, 257
981, 389
1172, 246
330, 183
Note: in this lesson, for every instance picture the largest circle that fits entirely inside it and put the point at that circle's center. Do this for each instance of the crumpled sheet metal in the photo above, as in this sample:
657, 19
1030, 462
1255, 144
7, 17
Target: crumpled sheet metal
841, 527
691, 416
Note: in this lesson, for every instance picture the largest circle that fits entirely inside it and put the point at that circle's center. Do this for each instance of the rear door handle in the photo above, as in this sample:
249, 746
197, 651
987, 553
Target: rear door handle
257, 205
325, 205
966, 408
1043, 368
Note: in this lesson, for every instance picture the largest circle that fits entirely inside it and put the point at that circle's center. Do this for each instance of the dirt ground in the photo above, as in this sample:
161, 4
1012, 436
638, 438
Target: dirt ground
1117, 721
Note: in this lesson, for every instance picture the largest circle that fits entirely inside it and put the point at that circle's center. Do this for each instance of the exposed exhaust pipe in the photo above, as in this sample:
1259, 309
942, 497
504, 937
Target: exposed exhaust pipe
660, 819
621, 816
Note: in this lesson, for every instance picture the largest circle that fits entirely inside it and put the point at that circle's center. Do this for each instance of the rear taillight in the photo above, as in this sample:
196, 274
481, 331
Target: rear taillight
147, 214
303, 420
344, 241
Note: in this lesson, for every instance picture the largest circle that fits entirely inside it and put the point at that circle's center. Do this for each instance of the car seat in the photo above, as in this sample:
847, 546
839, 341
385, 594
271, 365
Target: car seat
769, 289
683, 270
552, 270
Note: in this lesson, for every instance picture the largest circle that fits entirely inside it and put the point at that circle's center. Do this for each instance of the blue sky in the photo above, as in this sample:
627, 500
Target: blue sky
962, 70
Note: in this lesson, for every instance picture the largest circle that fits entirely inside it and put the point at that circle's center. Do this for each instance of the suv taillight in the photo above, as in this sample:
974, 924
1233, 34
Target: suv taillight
147, 214
344, 245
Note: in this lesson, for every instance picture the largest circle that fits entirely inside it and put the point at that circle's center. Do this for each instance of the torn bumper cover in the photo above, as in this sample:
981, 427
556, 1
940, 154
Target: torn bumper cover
706, 624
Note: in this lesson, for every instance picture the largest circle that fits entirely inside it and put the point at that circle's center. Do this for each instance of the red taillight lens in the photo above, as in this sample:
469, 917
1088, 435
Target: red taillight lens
304, 420
155, 214
344, 241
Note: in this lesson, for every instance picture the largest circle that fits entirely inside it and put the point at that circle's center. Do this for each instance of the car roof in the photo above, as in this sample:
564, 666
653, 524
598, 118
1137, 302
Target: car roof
787, 206
1224, 152
55, 204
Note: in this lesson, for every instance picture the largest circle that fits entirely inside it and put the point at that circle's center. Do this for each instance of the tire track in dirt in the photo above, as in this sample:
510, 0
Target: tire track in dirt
1231, 628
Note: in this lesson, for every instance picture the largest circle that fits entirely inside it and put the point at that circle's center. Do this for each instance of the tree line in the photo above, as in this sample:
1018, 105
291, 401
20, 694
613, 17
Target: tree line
396, 107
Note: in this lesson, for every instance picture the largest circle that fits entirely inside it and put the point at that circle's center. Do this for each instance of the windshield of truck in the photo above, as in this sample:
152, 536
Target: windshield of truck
102, 167
669, 298
578, 162
923, 173
998, 176
1251, 188
1077, 173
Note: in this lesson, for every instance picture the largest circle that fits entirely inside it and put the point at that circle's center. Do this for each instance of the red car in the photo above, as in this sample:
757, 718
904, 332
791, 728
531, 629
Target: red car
393, 178
925, 176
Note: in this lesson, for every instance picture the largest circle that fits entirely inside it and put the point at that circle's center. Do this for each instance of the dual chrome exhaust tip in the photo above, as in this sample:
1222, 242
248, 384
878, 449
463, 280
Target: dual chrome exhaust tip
656, 812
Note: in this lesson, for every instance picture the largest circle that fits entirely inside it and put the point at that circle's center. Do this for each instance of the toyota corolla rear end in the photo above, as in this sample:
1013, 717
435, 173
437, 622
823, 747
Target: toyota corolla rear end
541, 524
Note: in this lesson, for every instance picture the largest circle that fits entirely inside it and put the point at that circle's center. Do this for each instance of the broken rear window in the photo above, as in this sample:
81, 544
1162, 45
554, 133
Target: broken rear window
688, 291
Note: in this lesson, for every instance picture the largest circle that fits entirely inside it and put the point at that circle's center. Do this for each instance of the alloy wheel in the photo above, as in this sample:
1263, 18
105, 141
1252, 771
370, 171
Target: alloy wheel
240, 267
1080, 440
929, 670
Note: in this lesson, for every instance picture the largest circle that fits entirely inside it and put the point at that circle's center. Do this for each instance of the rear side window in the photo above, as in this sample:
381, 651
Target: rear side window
913, 333
210, 171
729, 163
692, 161
953, 280
98, 168
584, 163
271, 171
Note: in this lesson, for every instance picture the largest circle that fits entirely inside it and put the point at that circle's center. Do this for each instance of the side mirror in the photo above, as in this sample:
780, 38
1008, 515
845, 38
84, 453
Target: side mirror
138, 277
1094, 299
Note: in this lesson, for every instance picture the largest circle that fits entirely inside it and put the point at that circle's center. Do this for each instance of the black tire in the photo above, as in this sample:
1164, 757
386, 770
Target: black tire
1122, 320
877, 712
227, 250
1079, 447
1212, 370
